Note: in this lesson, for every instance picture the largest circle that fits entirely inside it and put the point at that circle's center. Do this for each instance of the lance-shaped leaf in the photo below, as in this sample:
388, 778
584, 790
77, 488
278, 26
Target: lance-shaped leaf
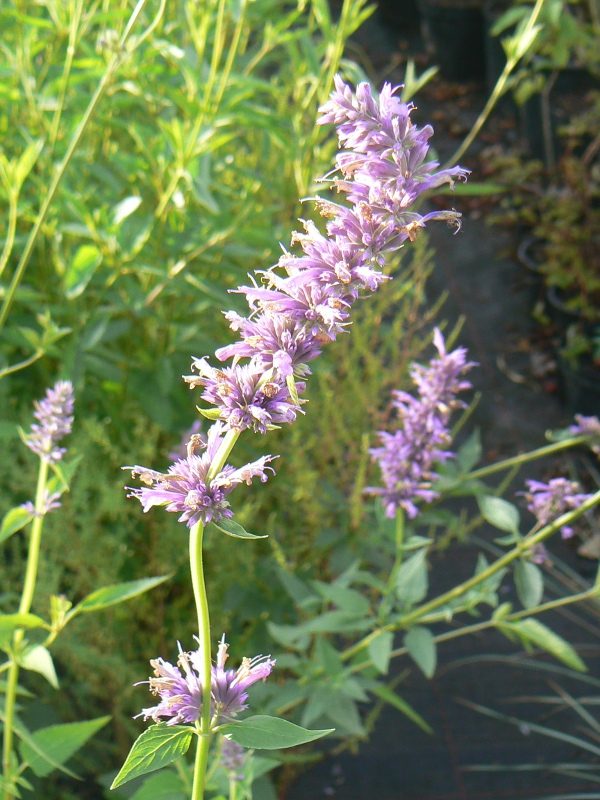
532, 632
231, 528
270, 733
157, 746
13, 521
47, 748
38, 659
116, 593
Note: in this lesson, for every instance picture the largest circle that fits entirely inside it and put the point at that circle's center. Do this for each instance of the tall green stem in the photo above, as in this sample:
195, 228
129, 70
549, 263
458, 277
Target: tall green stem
520, 549
524, 458
33, 558
199, 586
58, 175
499, 88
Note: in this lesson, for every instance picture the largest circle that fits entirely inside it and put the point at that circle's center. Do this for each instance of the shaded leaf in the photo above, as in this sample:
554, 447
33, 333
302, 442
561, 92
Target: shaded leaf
231, 528
81, 269
529, 582
499, 513
117, 593
270, 733
389, 696
13, 521
380, 650
421, 647
57, 743
156, 747
38, 659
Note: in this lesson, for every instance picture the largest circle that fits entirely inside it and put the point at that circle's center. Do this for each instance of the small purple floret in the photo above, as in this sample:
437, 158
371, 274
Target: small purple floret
407, 457
180, 687
54, 415
547, 501
305, 300
186, 488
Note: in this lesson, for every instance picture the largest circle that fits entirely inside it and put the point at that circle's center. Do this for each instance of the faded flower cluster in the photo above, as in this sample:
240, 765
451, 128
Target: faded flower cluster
407, 456
189, 489
304, 302
54, 415
547, 501
180, 687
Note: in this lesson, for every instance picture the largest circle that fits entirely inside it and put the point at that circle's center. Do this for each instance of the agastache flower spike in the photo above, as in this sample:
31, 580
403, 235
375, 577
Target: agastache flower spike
246, 395
294, 312
186, 488
407, 456
54, 415
547, 501
587, 426
180, 687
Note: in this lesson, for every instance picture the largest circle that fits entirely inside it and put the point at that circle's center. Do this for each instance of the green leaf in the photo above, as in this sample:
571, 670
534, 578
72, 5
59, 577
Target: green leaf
125, 208
529, 582
499, 513
380, 650
57, 743
470, 452
38, 659
117, 593
530, 631
81, 269
342, 710
157, 746
420, 644
389, 696
9, 623
412, 580
13, 521
167, 785
231, 528
270, 733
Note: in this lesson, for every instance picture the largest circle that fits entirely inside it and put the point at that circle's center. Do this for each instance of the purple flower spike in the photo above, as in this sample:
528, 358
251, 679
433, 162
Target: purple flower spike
233, 759
407, 456
180, 687
186, 488
54, 415
305, 301
547, 501
245, 395
50, 503
587, 426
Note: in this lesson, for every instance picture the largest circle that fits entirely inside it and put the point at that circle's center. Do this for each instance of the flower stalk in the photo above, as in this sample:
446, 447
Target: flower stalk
525, 545
33, 558
201, 600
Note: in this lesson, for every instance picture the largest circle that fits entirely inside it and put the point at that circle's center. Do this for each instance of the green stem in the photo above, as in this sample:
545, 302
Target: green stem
524, 458
73, 33
520, 549
13, 203
31, 570
492, 623
58, 175
497, 91
199, 587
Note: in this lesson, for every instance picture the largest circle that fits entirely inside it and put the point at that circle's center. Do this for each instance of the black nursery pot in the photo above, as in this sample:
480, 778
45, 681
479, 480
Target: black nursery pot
543, 114
456, 34
400, 15
580, 386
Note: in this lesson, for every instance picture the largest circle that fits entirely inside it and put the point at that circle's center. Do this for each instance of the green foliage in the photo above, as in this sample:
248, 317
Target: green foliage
262, 732
156, 747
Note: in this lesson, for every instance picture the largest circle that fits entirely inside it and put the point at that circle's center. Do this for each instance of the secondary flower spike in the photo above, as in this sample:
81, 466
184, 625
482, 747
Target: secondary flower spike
407, 456
547, 501
186, 487
180, 687
305, 300
54, 415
